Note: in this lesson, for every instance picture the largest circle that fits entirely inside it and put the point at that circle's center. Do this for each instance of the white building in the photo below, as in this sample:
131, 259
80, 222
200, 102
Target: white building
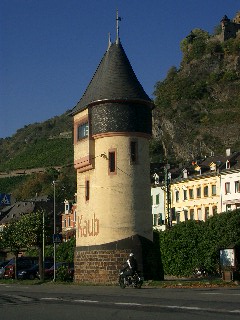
158, 208
230, 190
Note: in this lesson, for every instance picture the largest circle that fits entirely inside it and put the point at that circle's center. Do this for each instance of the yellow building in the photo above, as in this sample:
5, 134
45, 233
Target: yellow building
196, 197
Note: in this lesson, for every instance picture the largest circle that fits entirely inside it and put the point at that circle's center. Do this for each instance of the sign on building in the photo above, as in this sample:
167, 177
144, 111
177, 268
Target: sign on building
5, 199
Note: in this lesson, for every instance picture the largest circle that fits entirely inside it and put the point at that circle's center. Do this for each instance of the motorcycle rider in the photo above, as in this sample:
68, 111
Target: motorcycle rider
131, 267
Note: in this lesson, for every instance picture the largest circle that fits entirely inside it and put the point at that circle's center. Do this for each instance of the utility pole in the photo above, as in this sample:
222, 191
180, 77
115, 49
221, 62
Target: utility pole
167, 179
54, 230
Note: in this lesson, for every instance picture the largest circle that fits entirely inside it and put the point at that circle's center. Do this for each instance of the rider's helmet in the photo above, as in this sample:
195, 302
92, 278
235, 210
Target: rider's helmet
131, 254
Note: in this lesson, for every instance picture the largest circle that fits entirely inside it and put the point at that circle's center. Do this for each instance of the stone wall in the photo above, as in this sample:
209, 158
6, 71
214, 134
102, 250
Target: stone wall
99, 266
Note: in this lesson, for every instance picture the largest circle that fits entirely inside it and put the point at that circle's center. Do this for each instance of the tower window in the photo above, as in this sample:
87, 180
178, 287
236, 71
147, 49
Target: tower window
133, 152
87, 190
82, 131
112, 161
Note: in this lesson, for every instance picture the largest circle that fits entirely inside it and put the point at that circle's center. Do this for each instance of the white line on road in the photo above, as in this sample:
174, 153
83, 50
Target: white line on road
54, 299
86, 301
128, 303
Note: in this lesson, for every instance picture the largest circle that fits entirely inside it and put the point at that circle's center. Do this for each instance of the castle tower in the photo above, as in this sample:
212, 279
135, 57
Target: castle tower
112, 128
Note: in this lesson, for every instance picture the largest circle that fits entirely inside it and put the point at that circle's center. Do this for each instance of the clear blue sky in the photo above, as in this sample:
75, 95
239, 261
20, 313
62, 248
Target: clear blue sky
49, 49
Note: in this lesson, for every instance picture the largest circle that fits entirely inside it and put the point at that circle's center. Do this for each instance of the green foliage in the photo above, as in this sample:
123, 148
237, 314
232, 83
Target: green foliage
194, 45
12, 237
65, 251
232, 46
39, 145
63, 274
44, 153
7, 185
41, 184
191, 244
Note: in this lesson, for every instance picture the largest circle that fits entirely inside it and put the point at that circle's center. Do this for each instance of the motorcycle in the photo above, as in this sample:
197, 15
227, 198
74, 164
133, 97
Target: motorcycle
134, 281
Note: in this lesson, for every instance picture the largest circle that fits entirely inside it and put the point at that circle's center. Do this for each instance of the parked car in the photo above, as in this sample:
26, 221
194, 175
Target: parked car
23, 263
49, 273
32, 272
2, 268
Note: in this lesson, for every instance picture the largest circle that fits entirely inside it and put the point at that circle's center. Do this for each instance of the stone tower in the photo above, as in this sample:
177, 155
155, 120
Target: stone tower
112, 128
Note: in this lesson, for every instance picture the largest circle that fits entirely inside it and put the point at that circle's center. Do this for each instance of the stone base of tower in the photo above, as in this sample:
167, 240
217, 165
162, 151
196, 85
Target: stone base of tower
101, 264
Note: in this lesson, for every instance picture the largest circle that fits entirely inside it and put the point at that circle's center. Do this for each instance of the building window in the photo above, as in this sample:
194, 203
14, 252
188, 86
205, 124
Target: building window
199, 214
185, 215
227, 187
65, 223
214, 210
160, 219
75, 216
191, 193
178, 216
206, 213
173, 214
205, 191
157, 199
237, 186
177, 195
112, 161
184, 194
155, 219
191, 214
214, 190
87, 190
199, 192
69, 221
133, 152
228, 207
82, 131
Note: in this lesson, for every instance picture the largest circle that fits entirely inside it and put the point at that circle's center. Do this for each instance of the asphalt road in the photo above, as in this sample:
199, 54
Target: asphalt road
60, 302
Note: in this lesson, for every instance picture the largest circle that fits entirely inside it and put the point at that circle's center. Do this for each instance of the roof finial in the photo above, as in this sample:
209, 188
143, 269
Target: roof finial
109, 40
118, 19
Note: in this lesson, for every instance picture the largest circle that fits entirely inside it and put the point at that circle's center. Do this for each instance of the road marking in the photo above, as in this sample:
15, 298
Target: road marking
221, 293
54, 299
180, 307
20, 298
86, 301
235, 311
128, 303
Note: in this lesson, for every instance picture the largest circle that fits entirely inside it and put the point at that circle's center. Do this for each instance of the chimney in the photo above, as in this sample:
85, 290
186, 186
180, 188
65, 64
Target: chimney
228, 152
185, 173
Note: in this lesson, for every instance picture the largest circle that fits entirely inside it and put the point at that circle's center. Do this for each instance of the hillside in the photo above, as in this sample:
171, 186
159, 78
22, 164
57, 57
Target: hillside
39, 145
198, 105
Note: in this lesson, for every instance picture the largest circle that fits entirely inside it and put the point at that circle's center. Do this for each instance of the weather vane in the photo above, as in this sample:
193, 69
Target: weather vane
118, 19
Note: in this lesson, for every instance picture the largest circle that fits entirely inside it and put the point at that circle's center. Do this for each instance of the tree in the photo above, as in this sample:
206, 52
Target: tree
27, 232
13, 239
36, 228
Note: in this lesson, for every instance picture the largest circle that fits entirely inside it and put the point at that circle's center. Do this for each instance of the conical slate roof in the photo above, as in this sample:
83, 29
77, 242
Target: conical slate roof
114, 79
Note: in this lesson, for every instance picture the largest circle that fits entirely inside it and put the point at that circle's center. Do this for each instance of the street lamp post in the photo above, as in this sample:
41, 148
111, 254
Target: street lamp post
54, 230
